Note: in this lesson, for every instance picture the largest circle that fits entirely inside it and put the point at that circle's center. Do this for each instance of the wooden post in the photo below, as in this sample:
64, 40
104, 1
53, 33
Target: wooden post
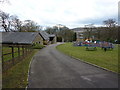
18, 51
12, 55
30, 49
2, 60
23, 50
26, 50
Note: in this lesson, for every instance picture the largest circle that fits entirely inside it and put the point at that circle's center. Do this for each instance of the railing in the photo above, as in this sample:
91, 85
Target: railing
16, 54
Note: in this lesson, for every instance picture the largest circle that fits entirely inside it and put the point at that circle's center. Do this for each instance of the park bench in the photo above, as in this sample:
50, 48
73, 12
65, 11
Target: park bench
91, 48
107, 46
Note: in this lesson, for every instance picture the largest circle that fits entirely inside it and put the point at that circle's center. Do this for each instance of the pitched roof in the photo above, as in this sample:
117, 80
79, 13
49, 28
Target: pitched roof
51, 35
18, 37
44, 35
23, 37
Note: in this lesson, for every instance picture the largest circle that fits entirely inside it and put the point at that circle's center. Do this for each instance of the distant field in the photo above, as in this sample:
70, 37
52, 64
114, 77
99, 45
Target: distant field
108, 59
8, 50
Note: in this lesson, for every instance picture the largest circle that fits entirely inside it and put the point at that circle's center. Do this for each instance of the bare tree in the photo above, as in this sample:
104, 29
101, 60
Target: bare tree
13, 23
16, 23
29, 26
49, 30
4, 1
110, 22
62, 32
88, 30
39, 27
110, 28
4, 20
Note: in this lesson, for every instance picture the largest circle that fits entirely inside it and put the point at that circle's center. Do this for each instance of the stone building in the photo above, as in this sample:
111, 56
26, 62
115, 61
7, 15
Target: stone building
79, 33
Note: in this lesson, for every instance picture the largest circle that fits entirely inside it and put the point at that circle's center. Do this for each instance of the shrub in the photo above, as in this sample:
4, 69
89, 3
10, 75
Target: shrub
38, 46
45, 43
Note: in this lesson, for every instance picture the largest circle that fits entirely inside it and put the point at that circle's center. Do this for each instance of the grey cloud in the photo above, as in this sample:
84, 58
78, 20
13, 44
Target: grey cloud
96, 21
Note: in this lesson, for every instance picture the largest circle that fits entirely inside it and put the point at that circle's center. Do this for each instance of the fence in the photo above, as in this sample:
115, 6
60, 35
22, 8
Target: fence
14, 54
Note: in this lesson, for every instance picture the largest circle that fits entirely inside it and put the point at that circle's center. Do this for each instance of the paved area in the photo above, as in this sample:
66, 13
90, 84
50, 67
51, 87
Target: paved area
52, 69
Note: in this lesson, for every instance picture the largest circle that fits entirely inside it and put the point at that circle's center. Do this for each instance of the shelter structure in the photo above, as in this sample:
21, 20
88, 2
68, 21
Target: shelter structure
21, 38
48, 38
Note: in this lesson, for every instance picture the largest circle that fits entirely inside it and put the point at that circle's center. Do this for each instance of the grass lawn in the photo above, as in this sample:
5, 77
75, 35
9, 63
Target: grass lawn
16, 77
108, 59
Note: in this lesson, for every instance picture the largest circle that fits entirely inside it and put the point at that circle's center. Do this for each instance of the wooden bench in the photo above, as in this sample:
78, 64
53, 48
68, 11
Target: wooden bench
91, 48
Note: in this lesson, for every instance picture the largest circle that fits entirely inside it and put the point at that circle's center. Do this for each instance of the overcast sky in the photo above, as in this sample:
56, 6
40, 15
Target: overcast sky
72, 13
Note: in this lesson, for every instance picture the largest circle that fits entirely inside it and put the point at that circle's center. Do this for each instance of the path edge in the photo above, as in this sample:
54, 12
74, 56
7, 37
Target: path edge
29, 72
89, 63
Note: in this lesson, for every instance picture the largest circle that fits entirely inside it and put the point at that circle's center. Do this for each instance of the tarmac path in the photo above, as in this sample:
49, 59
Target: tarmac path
52, 69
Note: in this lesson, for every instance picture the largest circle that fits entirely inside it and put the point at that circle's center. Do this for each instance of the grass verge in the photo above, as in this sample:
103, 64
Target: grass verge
16, 77
108, 59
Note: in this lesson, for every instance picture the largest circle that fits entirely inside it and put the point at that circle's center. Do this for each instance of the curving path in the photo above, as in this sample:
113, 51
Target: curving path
52, 69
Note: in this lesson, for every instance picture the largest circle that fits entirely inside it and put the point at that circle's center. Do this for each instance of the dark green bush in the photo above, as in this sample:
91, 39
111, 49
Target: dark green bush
37, 46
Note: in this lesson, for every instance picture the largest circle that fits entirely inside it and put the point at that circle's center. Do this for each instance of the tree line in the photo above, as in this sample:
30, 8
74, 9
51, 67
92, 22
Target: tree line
63, 33
109, 32
13, 23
